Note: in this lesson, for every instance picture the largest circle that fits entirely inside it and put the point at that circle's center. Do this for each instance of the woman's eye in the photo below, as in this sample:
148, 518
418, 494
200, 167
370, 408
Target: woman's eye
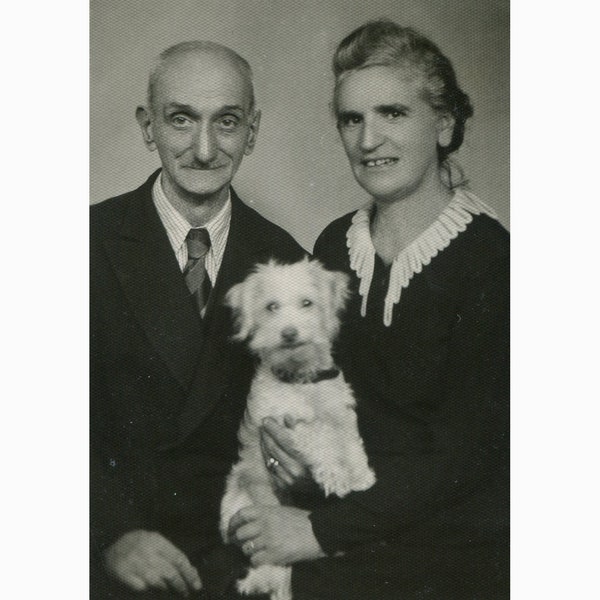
306, 302
272, 306
395, 114
349, 121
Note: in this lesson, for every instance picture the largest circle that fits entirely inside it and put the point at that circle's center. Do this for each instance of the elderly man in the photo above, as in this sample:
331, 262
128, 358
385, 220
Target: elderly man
167, 387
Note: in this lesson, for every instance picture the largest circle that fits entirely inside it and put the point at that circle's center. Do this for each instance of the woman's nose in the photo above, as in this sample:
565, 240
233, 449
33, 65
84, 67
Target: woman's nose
370, 137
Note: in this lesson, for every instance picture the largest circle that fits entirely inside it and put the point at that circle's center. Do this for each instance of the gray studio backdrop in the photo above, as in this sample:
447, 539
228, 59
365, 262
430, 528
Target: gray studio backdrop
297, 175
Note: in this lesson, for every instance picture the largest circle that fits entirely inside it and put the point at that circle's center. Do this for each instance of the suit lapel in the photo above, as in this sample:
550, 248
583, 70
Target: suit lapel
151, 279
246, 245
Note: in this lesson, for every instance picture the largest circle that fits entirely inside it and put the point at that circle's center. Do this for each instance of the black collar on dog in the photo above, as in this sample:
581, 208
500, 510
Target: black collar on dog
325, 374
318, 376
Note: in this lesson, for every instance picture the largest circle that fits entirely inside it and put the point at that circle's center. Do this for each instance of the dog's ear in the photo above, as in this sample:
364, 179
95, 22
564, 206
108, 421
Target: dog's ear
334, 286
338, 288
239, 298
233, 299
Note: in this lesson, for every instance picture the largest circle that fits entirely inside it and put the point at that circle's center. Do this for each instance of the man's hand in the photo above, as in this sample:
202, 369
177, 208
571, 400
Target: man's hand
277, 443
145, 559
279, 535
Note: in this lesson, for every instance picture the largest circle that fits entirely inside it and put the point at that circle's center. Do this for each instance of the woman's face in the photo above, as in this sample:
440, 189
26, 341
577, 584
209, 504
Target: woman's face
390, 133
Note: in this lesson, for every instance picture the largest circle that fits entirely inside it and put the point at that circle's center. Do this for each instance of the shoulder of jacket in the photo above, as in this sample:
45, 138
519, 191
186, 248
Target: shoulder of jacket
338, 227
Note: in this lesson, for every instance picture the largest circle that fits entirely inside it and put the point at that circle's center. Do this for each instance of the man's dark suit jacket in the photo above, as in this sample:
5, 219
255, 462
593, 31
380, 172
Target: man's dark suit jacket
167, 390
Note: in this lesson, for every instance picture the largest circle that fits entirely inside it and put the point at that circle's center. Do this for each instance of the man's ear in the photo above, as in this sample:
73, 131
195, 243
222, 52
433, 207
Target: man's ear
445, 129
253, 132
144, 118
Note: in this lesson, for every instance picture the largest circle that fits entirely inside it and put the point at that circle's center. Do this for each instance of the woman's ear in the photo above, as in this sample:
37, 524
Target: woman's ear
445, 127
145, 121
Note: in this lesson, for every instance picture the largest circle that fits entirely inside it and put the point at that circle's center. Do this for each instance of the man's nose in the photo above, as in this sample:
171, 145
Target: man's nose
205, 144
370, 136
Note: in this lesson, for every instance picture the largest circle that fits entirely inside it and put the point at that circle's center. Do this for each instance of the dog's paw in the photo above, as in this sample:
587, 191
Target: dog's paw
363, 480
250, 585
267, 579
341, 479
281, 594
336, 481
282, 584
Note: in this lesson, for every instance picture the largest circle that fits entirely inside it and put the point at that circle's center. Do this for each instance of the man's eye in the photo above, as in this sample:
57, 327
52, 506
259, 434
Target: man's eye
229, 123
180, 121
306, 303
272, 306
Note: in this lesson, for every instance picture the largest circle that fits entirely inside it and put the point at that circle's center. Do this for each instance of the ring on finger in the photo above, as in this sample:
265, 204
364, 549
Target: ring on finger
248, 548
272, 463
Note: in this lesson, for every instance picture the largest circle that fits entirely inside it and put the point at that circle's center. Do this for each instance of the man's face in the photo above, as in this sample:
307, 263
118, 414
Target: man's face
200, 123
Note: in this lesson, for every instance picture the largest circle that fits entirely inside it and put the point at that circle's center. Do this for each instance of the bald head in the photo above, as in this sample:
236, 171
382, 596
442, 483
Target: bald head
202, 121
214, 55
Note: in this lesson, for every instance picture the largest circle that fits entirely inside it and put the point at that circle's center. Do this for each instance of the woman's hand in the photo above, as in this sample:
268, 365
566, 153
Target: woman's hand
279, 535
281, 457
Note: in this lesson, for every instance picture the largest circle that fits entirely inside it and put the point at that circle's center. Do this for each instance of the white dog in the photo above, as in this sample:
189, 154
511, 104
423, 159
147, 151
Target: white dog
288, 314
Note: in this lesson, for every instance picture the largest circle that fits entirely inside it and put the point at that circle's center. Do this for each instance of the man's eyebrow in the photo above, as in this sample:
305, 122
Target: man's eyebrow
191, 110
230, 107
387, 108
186, 108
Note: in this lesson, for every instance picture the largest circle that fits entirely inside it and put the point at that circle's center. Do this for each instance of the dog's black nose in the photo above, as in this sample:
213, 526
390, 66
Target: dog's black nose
289, 334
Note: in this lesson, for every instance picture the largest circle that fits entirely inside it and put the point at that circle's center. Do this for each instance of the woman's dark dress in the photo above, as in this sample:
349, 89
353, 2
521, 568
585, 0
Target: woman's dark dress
433, 406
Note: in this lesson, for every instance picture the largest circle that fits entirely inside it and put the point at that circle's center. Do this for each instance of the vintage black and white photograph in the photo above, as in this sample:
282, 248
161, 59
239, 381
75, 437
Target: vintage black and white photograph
299, 300
256, 296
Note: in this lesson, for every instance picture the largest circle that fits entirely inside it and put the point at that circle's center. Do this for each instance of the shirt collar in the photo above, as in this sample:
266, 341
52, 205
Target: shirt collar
411, 260
177, 226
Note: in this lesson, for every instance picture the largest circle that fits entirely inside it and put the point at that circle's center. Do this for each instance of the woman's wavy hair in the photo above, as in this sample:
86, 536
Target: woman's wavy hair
385, 43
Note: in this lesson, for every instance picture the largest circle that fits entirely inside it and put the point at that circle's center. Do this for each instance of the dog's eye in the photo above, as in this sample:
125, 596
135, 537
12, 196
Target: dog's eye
306, 302
272, 306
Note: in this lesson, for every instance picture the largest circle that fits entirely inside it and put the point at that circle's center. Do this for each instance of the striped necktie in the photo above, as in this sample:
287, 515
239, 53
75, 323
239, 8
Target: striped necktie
196, 277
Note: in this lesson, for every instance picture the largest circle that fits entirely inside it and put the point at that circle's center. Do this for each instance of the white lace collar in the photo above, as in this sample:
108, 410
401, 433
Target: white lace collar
453, 219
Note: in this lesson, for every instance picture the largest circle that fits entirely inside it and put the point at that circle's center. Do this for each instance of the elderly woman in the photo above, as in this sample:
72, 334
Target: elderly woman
424, 343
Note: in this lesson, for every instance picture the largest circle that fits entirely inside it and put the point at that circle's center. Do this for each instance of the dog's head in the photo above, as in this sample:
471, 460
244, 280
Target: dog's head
288, 308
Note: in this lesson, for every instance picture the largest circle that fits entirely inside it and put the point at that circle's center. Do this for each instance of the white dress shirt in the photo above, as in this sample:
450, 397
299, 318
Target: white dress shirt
178, 227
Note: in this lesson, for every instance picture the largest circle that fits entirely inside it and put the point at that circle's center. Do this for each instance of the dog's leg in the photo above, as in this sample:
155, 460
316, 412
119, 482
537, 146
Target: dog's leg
235, 498
336, 457
248, 483
245, 490
268, 579
317, 443
361, 474
354, 455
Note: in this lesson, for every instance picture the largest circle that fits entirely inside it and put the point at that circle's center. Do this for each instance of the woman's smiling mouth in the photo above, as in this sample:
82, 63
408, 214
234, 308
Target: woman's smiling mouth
379, 162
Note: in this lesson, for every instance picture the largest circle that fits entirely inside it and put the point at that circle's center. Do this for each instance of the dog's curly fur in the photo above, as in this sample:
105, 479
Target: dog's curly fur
288, 314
